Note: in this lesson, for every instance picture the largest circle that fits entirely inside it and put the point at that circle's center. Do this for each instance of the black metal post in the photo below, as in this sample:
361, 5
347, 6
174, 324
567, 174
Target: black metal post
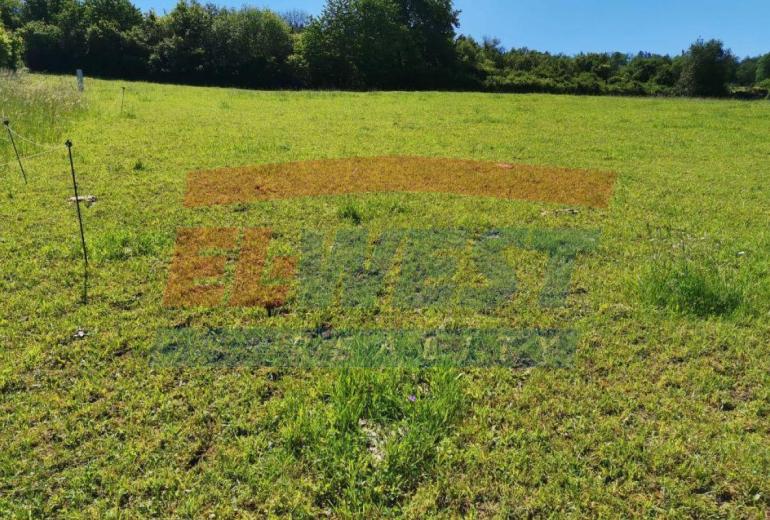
15, 150
80, 222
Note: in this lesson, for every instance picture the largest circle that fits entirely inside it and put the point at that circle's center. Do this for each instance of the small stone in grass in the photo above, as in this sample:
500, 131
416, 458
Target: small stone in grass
88, 199
557, 212
80, 334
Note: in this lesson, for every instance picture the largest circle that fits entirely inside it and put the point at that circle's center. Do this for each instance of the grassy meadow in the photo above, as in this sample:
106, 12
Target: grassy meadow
665, 410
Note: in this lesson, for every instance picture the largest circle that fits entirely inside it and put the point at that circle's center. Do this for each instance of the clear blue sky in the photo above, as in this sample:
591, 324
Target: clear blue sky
572, 26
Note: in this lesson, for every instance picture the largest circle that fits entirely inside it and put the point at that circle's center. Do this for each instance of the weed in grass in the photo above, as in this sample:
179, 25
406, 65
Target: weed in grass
138, 165
688, 287
366, 442
350, 213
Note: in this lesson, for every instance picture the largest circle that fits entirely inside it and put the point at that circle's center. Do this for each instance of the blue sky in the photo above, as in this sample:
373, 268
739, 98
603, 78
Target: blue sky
572, 26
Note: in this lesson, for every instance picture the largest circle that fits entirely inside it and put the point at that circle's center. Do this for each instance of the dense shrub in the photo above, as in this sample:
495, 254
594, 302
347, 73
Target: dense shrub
765, 85
42, 46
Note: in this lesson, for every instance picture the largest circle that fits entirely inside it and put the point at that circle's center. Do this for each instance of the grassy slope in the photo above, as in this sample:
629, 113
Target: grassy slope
661, 413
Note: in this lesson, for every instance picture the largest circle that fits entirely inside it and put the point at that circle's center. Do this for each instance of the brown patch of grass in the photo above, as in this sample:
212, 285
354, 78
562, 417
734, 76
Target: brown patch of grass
251, 288
190, 268
399, 174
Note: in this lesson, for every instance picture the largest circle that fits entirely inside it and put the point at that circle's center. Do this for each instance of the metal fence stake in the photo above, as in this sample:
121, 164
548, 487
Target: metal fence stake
80, 222
7, 124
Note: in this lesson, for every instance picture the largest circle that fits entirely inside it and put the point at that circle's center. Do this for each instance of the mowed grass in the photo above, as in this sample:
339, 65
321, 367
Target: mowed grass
665, 411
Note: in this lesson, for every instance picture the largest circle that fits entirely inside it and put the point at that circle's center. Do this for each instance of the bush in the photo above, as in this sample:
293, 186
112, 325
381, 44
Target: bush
765, 85
746, 72
43, 46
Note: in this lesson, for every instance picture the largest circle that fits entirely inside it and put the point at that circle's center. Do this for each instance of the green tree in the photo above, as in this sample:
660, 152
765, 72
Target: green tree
746, 72
250, 47
296, 19
112, 52
112, 40
430, 25
10, 14
380, 48
42, 10
328, 46
706, 69
651, 69
603, 66
7, 54
469, 56
184, 51
763, 68
121, 14
54, 35
382, 43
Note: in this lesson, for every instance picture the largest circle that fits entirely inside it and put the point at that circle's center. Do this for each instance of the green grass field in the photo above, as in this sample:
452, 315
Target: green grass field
664, 411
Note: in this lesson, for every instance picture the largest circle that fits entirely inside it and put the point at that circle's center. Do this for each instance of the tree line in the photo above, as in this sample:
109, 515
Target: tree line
352, 44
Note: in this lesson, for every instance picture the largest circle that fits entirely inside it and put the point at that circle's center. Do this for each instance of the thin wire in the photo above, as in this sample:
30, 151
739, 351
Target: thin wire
45, 152
14, 132
33, 156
